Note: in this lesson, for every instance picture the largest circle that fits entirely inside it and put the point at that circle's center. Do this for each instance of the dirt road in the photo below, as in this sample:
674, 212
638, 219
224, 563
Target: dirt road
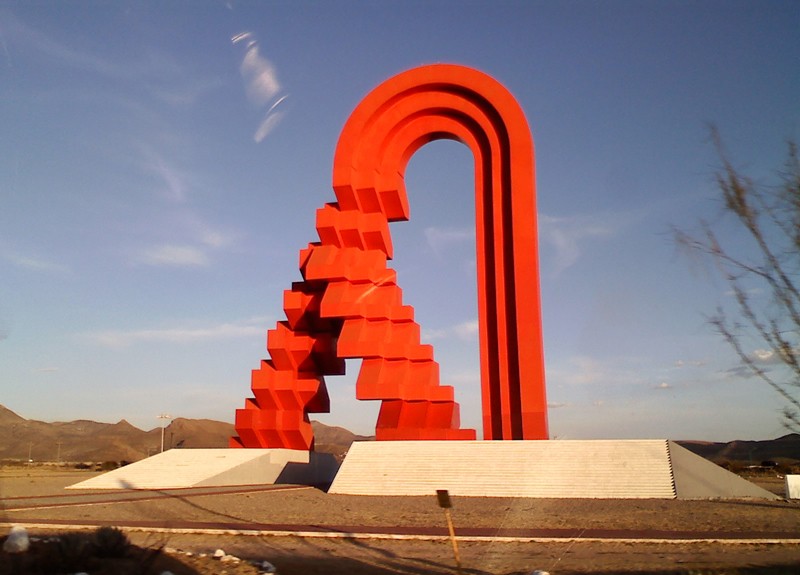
351, 534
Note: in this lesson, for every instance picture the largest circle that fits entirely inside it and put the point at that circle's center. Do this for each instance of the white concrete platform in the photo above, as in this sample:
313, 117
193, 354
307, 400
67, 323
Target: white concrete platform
793, 487
614, 469
178, 468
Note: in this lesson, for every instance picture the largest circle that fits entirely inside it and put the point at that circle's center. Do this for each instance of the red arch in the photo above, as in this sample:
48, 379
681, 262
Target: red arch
349, 304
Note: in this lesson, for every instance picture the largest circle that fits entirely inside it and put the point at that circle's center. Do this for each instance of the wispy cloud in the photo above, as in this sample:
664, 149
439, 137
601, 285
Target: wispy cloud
19, 32
185, 239
462, 378
172, 255
6, 53
465, 331
117, 339
568, 234
261, 84
198, 244
442, 239
741, 371
157, 73
766, 360
750, 292
770, 357
174, 182
681, 363
31, 263
585, 370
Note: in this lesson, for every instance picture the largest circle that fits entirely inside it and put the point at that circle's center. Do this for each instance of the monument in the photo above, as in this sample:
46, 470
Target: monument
349, 304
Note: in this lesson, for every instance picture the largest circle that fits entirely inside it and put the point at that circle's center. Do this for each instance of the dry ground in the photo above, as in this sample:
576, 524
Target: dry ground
30, 495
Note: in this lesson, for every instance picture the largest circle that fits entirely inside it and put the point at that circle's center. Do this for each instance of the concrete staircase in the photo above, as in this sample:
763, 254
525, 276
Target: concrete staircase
178, 468
626, 469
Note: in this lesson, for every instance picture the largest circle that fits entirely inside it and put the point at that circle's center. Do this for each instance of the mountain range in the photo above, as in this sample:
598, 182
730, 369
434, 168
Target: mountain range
90, 441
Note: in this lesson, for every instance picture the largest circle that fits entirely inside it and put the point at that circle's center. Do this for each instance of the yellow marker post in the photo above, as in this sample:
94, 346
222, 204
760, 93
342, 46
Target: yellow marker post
444, 502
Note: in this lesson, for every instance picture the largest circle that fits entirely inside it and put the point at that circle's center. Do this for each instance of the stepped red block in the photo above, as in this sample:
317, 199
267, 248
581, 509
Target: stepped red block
353, 229
382, 378
366, 300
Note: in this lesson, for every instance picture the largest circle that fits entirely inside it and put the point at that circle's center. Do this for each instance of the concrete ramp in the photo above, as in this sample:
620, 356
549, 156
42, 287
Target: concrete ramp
699, 478
613, 469
178, 468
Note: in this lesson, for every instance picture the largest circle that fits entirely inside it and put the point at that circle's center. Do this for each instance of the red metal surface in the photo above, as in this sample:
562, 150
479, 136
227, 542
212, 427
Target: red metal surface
349, 304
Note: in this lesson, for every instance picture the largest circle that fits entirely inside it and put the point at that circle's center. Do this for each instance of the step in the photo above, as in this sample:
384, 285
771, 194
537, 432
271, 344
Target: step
179, 468
627, 469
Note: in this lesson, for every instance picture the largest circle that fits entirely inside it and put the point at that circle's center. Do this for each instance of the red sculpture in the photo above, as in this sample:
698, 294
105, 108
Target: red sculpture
349, 303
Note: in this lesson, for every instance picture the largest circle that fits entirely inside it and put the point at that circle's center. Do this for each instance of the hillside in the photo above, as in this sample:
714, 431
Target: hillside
84, 440
90, 441
784, 449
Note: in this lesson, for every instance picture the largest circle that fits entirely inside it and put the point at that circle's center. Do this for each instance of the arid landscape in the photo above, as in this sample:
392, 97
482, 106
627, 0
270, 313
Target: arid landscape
91, 441
303, 530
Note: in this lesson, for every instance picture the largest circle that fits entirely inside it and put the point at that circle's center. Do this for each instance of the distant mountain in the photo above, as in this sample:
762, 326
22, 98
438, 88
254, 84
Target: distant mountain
335, 440
90, 441
8, 417
784, 449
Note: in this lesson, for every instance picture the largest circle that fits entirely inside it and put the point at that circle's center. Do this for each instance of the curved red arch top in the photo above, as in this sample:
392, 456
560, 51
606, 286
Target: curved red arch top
353, 304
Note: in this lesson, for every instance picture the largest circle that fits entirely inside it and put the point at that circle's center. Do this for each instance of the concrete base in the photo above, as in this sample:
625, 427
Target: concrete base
620, 469
793, 487
178, 468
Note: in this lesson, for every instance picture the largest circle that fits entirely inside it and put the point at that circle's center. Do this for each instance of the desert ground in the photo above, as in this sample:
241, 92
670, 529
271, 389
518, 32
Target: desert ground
303, 530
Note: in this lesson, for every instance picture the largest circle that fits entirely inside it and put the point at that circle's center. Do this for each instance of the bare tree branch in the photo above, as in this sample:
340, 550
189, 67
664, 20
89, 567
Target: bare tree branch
771, 218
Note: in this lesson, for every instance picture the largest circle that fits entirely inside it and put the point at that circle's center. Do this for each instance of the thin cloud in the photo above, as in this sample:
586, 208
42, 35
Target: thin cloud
203, 242
203, 233
19, 32
681, 363
442, 239
765, 360
465, 331
184, 238
173, 255
215, 239
117, 339
29, 262
5, 51
750, 292
568, 234
770, 357
261, 84
462, 378
742, 371
156, 72
174, 181
584, 370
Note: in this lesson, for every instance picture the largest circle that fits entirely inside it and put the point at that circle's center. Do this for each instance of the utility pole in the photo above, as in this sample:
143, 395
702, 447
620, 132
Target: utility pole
58, 456
163, 416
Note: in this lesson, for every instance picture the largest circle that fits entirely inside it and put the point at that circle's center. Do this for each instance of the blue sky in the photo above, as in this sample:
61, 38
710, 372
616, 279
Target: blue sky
161, 163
